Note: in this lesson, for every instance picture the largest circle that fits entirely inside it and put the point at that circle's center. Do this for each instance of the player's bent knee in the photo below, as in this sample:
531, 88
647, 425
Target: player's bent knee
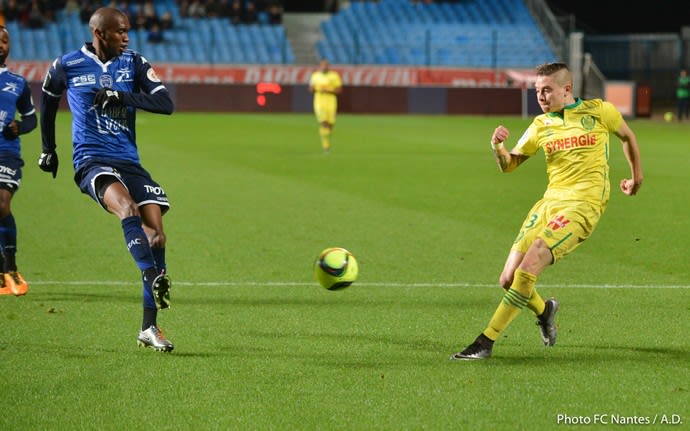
542, 250
157, 239
506, 280
123, 208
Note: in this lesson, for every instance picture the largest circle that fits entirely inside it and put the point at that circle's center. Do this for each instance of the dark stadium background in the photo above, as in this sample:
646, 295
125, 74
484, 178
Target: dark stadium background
615, 17
624, 16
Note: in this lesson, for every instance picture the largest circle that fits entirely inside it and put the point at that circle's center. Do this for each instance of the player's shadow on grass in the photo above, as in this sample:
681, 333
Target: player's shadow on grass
564, 353
380, 349
106, 295
341, 303
646, 352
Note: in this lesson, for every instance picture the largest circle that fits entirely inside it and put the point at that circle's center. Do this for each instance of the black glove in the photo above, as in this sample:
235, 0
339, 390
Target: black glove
48, 162
8, 133
107, 97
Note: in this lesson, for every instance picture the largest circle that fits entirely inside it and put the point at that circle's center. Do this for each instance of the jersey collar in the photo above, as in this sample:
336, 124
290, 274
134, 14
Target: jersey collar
89, 51
575, 104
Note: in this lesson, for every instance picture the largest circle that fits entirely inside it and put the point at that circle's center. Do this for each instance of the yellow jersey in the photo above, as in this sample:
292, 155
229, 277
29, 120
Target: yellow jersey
325, 81
576, 148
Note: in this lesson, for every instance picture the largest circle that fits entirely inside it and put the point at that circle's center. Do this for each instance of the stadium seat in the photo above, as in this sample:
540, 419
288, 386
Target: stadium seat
449, 33
216, 35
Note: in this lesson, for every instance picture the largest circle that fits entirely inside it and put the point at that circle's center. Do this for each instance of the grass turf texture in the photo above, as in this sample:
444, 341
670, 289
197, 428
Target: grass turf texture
259, 345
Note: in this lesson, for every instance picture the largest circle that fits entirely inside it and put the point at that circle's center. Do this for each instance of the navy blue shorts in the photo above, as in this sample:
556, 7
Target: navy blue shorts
10, 172
138, 182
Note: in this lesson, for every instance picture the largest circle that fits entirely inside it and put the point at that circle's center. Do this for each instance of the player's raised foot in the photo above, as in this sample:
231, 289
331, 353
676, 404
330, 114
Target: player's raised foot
480, 349
161, 290
546, 322
153, 337
16, 283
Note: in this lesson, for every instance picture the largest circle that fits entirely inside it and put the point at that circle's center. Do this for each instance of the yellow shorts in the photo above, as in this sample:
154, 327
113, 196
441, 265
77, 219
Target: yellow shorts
325, 110
562, 225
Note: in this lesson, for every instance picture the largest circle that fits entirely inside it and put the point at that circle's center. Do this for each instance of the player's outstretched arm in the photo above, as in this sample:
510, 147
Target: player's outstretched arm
48, 161
505, 160
49, 109
630, 186
158, 102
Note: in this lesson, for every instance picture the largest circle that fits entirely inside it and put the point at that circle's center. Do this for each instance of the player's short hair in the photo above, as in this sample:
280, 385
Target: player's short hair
548, 69
104, 17
561, 70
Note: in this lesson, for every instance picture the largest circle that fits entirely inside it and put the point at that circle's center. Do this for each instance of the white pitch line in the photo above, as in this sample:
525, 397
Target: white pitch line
363, 284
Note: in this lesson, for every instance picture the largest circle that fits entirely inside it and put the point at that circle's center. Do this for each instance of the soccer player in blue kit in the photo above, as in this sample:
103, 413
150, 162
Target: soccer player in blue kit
105, 84
15, 98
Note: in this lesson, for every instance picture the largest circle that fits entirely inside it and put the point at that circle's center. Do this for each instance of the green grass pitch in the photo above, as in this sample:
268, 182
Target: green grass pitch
260, 346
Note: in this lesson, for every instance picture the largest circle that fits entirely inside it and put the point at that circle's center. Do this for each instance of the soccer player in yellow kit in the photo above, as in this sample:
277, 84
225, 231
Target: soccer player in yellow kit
574, 135
326, 86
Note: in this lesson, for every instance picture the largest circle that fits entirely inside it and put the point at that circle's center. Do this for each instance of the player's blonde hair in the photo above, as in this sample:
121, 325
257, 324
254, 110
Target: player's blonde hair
560, 71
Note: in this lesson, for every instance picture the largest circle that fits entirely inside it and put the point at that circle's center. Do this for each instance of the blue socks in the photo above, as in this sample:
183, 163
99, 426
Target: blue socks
139, 248
8, 242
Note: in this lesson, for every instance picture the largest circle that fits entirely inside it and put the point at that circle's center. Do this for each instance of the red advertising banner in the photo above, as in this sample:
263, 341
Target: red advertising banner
383, 76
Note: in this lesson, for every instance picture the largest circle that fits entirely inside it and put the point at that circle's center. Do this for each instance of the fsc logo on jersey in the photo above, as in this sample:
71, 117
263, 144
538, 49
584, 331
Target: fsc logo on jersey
81, 80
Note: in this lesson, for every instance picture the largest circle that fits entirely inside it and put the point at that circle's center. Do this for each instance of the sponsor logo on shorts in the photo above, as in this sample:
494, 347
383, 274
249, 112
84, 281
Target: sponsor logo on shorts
558, 222
4, 170
155, 190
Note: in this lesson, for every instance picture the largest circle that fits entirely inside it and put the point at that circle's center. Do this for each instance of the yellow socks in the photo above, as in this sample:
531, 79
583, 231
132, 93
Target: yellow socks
514, 300
325, 133
536, 303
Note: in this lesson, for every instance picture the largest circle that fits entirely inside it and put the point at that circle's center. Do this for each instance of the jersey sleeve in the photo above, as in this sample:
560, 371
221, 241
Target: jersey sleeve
611, 116
25, 103
148, 93
146, 78
54, 83
528, 144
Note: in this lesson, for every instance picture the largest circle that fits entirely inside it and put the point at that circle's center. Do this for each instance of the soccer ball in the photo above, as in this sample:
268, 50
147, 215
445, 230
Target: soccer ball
336, 268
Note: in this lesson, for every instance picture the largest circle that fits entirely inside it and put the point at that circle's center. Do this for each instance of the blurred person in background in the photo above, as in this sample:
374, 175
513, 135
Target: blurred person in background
250, 14
326, 85
16, 100
275, 13
11, 11
683, 95
235, 14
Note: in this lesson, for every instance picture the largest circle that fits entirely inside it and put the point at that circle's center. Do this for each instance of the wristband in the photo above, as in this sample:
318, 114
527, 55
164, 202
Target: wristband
496, 146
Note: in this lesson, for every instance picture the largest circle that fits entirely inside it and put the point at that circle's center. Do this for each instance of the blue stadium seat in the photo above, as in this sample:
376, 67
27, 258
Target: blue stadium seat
453, 34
